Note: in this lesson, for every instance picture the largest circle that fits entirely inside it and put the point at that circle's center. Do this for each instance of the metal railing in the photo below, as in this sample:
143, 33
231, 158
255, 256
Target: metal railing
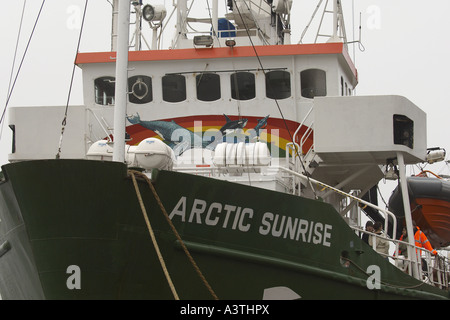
386, 213
106, 129
433, 269
298, 148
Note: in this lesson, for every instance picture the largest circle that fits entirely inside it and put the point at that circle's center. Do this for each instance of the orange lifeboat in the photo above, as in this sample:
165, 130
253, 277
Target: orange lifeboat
430, 206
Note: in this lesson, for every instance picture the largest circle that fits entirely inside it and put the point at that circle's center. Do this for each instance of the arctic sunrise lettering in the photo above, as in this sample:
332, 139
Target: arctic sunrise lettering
215, 213
242, 218
292, 228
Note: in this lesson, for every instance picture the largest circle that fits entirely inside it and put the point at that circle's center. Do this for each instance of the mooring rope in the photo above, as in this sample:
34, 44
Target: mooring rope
174, 230
152, 235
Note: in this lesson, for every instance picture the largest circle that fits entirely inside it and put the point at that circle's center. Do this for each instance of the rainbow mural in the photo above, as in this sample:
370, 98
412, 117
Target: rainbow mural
208, 130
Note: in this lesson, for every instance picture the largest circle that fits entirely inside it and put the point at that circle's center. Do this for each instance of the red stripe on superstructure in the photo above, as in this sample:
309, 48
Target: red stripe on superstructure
350, 63
211, 53
220, 53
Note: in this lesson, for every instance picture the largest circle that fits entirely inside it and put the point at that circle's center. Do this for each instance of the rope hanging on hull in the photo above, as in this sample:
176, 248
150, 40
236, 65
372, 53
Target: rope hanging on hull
133, 175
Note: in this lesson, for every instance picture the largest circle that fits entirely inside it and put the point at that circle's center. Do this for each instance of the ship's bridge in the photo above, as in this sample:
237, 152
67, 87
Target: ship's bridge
279, 81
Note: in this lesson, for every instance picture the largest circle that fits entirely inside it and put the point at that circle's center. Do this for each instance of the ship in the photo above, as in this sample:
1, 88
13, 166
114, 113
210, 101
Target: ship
222, 168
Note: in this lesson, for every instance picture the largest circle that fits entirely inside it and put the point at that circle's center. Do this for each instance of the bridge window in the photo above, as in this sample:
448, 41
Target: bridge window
208, 86
174, 88
278, 84
243, 86
105, 90
140, 89
313, 83
403, 130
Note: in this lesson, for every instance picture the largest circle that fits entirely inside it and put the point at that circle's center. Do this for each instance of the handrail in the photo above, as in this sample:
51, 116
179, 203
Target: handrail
386, 212
442, 269
306, 135
295, 146
302, 123
108, 134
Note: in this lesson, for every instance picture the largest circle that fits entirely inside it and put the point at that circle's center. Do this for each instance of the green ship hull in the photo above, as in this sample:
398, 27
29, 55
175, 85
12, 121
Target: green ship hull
75, 229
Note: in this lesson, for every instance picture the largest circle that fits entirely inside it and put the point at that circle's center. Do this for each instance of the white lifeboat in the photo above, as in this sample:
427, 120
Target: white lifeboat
100, 150
241, 154
152, 153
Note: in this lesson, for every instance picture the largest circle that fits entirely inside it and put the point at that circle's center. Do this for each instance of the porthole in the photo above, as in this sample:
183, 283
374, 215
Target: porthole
140, 89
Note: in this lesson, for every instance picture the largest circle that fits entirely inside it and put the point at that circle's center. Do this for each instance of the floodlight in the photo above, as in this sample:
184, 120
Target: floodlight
203, 41
230, 42
154, 13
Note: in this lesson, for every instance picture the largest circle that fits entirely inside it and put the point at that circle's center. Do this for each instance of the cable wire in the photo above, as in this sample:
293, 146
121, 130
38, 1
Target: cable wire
64, 121
15, 56
21, 62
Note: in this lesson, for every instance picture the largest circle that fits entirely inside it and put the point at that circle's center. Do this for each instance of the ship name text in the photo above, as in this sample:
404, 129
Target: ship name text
244, 219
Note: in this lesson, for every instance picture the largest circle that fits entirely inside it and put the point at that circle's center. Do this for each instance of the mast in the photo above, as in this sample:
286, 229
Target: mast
215, 19
181, 29
335, 19
115, 6
120, 107
408, 216
336, 16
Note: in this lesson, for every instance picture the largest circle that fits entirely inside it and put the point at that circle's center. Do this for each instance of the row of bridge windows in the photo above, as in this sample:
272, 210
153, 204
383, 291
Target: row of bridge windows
208, 87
